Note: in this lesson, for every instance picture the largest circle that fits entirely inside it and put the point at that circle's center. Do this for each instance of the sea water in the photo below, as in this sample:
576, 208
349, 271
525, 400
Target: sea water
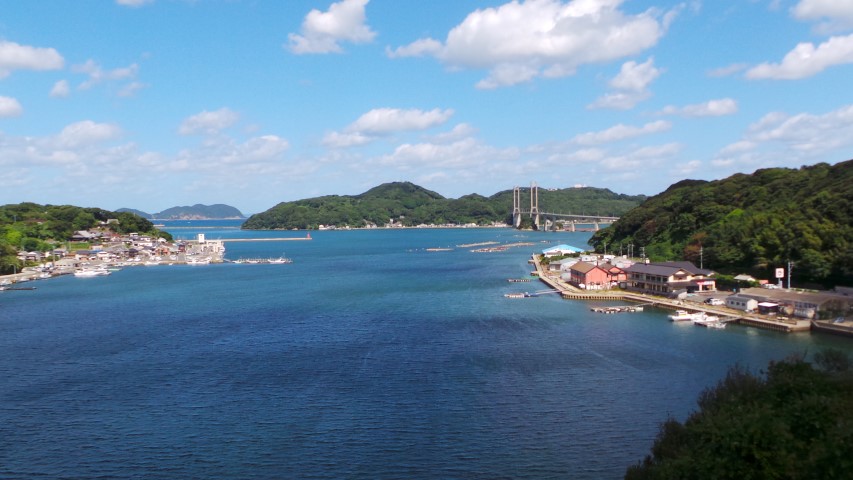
369, 356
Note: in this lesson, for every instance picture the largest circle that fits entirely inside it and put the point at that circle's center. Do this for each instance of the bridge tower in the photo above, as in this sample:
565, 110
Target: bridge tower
516, 207
534, 204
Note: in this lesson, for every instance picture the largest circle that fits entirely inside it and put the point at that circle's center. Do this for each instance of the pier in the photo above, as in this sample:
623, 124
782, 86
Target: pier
281, 239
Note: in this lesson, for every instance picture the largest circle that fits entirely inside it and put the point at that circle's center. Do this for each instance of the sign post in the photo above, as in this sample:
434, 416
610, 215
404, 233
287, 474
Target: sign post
780, 274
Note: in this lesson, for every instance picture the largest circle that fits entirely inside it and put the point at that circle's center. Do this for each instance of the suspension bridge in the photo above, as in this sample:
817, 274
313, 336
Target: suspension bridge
545, 220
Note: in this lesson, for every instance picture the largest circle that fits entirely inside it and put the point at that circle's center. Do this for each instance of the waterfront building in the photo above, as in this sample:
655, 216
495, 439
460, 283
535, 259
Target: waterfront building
669, 278
802, 304
589, 276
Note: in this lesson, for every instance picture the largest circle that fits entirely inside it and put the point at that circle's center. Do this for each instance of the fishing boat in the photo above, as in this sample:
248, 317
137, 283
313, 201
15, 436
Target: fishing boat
681, 316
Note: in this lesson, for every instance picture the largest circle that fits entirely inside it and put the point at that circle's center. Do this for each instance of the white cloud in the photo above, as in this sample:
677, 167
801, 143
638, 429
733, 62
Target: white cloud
806, 60
381, 121
631, 85
208, 122
87, 132
711, 108
779, 139
458, 132
519, 41
635, 77
22, 57
130, 89
418, 48
9, 107
323, 31
837, 14
98, 75
620, 132
344, 140
60, 89
384, 121
462, 154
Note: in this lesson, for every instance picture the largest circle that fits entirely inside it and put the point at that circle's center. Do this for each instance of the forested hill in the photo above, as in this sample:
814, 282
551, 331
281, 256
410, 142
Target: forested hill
34, 227
411, 205
750, 223
195, 212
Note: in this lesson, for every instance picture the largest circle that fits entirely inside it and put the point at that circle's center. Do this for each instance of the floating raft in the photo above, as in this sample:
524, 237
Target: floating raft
629, 308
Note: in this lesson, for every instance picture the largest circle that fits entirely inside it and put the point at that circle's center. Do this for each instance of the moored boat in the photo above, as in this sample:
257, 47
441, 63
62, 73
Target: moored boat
681, 316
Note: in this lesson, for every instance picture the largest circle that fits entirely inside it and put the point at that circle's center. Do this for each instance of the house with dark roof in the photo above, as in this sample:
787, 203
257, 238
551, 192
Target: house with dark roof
669, 278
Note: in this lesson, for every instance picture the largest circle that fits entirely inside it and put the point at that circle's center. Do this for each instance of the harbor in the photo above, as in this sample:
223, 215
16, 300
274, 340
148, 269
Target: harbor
767, 322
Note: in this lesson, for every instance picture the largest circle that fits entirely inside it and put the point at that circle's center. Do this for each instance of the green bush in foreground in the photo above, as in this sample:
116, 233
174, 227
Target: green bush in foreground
794, 421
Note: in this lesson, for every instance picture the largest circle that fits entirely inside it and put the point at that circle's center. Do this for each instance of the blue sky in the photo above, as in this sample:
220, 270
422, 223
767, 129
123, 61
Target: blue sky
150, 104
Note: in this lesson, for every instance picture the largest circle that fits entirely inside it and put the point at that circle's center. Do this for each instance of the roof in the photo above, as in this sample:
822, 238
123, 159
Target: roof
668, 268
563, 247
583, 267
776, 295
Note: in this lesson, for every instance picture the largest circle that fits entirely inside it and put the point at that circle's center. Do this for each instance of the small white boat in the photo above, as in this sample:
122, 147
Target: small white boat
702, 319
91, 272
280, 260
681, 316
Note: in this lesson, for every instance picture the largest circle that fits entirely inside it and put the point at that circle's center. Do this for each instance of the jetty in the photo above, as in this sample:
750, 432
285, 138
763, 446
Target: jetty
282, 239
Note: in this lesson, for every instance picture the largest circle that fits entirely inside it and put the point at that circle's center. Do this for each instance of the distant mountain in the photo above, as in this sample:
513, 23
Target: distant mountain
195, 212
750, 223
409, 204
136, 212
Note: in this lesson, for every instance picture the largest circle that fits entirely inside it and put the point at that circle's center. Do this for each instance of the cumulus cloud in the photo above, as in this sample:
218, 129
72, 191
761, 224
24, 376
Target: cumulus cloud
519, 41
792, 139
384, 121
381, 121
835, 15
14, 56
711, 108
322, 32
98, 75
87, 132
631, 85
461, 154
208, 122
60, 89
9, 107
620, 132
806, 60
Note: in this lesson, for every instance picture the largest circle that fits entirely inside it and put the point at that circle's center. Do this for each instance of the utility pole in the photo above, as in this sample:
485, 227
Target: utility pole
790, 267
701, 259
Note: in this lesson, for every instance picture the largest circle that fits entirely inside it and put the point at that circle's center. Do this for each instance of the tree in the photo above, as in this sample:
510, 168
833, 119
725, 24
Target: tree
795, 422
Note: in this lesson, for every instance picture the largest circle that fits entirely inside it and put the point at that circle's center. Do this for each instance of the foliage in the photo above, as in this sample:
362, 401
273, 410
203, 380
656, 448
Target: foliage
795, 421
751, 223
410, 205
34, 227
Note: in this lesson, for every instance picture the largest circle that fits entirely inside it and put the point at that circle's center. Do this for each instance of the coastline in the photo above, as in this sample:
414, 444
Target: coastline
570, 292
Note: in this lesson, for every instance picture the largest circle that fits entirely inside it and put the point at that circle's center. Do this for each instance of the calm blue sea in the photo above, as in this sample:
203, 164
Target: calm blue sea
368, 357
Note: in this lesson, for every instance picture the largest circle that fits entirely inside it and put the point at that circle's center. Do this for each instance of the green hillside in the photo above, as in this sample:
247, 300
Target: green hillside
750, 223
412, 205
34, 227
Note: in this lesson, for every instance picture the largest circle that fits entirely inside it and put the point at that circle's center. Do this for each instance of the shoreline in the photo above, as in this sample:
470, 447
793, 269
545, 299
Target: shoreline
570, 292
